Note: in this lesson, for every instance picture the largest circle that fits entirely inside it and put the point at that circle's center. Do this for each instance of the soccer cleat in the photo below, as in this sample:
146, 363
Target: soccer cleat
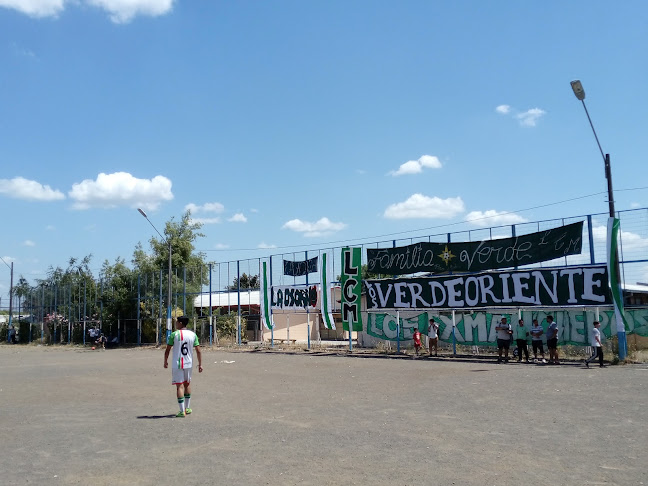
188, 411
180, 414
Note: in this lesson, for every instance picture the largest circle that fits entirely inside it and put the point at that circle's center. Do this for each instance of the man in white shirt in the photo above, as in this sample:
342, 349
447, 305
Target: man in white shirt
504, 333
433, 335
182, 341
536, 340
597, 349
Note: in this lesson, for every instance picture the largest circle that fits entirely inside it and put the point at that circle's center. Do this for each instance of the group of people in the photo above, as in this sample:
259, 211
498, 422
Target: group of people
505, 334
433, 336
97, 337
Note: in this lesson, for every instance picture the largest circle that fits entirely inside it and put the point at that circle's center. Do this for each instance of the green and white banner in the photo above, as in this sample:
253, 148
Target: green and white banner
265, 298
613, 266
548, 287
326, 271
478, 328
293, 297
477, 256
351, 281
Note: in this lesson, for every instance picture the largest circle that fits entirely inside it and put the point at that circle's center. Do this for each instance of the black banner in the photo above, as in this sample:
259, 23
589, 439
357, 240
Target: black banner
549, 287
297, 269
479, 255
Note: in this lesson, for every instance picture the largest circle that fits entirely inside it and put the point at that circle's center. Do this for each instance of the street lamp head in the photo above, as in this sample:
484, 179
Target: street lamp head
141, 211
577, 87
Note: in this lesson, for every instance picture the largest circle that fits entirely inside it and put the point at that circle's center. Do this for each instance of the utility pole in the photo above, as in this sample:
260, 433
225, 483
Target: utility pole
11, 295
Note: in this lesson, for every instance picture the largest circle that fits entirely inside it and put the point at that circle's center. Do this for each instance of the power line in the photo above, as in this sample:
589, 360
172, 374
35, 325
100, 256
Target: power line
338, 242
3, 261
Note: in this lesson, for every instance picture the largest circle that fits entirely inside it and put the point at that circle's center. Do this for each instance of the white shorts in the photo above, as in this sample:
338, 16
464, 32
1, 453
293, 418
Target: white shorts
181, 376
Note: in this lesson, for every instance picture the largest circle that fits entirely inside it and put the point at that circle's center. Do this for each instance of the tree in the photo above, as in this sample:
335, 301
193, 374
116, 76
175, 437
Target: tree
118, 295
21, 291
188, 265
247, 282
182, 236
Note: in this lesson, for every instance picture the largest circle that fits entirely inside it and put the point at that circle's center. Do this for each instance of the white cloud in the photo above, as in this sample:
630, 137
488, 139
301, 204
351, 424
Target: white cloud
492, 217
29, 243
635, 205
643, 272
120, 11
417, 166
530, 117
35, 8
420, 206
265, 246
215, 220
221, 246
50, 227
238, 218
121, 189
123, 11
629, 241
321, 227
21, 188
214, 207
254, 210
527, 118
20, 51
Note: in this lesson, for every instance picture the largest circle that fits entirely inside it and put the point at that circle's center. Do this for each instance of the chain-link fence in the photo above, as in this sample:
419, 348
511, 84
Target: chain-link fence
222, 299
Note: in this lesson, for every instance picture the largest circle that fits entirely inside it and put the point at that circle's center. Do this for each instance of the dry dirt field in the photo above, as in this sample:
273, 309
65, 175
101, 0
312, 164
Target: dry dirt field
75, 416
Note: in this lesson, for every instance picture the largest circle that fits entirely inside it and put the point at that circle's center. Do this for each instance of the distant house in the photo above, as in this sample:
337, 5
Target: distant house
288, 324
635, 294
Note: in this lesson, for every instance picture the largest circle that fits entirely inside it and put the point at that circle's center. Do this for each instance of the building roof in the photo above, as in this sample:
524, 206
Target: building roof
223, 299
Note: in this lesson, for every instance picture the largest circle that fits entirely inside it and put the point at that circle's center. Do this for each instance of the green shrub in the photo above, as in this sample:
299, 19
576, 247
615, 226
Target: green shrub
226, 325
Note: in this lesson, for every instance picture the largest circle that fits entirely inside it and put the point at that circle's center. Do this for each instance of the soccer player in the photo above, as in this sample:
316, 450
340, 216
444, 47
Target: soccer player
183, 342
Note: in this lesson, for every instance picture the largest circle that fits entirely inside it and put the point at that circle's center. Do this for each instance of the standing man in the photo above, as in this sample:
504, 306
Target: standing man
504, 332
183, 342
417, 340
596, 346
433, 335
552, 341
521, 335
536, 340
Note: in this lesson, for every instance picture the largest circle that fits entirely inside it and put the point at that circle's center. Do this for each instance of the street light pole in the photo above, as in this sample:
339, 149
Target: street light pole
579, 91
169, 294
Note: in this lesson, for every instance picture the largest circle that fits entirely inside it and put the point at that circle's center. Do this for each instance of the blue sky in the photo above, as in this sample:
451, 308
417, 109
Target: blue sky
291, 123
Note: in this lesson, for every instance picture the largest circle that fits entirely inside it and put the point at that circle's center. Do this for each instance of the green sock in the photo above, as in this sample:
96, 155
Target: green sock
181, 404
187, 398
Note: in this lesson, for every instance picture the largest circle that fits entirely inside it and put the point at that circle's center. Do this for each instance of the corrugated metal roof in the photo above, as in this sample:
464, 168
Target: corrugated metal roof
223, 299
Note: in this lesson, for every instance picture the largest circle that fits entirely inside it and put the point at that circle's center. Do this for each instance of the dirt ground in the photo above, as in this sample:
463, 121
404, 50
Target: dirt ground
75, 416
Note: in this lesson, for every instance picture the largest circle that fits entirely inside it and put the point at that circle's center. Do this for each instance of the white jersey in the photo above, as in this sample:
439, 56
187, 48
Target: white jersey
183, 342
